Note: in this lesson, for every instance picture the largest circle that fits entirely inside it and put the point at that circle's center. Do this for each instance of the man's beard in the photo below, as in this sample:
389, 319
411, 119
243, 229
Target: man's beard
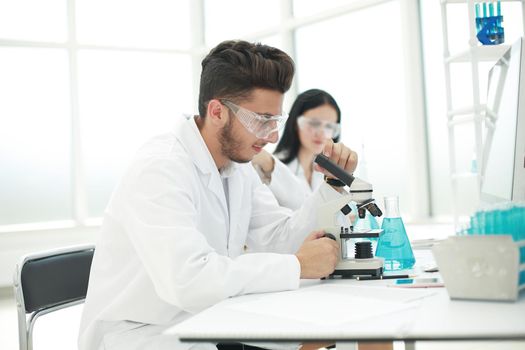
229, 146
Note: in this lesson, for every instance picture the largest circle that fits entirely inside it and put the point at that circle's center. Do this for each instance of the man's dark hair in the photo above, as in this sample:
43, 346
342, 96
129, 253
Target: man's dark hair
289, 144
234, 68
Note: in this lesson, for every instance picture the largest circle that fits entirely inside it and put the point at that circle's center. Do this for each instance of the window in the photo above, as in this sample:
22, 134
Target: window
76, 108
88, 81
35, 136
33, 20
125, 98
304, 8
350, 57
138, 23
238, 19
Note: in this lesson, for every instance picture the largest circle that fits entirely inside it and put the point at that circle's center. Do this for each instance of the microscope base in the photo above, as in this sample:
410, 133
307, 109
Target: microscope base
349, 268
353, 272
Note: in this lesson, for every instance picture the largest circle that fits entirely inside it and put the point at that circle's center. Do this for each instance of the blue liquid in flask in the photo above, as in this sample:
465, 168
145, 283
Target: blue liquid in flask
393, 244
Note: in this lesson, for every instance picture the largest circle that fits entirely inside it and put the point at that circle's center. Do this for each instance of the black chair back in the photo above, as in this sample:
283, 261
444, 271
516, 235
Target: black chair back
55, 280
48, 281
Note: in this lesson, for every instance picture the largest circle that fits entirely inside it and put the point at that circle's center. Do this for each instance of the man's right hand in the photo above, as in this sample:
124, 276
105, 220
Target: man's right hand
318, 255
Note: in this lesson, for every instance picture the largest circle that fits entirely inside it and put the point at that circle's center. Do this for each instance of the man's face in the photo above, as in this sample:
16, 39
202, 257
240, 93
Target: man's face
238, 143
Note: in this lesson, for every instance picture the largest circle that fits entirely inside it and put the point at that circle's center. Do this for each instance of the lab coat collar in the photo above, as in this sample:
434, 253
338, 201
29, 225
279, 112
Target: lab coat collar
297, 169
191, 139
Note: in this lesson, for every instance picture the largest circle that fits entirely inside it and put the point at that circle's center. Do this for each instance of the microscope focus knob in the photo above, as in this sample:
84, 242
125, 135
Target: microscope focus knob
331, 236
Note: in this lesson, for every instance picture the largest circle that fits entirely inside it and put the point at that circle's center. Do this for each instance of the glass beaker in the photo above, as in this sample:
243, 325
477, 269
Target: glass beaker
393, 244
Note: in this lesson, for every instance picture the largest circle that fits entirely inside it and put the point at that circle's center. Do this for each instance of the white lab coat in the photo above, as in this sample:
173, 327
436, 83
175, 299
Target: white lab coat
291, 188
172, 242
289, 184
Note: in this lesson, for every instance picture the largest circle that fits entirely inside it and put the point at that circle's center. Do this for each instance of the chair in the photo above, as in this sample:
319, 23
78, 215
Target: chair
49, 281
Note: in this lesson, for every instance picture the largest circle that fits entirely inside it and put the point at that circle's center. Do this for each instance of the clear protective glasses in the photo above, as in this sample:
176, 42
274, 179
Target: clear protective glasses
260, 125
329, 129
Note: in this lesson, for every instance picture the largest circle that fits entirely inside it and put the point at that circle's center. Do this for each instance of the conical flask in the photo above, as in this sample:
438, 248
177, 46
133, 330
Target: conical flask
393, 244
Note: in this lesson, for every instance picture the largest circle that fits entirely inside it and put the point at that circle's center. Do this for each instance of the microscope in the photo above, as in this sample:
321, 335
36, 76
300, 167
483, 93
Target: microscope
363, 262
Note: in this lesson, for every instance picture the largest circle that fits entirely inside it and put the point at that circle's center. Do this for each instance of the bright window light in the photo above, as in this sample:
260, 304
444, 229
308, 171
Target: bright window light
351, 58
235, 19
125, 98
33, 20
35, 136
302, 8
137, 23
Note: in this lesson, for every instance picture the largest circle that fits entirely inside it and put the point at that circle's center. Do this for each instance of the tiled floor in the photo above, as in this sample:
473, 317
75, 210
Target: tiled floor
48, 337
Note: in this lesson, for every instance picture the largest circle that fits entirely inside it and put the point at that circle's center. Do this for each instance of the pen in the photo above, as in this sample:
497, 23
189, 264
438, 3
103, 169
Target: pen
382, 277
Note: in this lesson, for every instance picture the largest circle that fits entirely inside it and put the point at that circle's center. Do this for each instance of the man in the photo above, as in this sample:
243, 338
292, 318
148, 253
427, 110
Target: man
190, 224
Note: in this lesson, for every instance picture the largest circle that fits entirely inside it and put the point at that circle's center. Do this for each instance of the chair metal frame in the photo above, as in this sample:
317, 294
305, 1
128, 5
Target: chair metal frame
26, 320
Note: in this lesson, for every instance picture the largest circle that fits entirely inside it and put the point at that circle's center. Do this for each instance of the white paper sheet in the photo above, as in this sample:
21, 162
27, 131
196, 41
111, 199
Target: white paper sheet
334, 304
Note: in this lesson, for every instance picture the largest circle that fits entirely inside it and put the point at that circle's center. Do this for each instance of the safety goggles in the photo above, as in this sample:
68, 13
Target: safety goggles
329, 129
260, 125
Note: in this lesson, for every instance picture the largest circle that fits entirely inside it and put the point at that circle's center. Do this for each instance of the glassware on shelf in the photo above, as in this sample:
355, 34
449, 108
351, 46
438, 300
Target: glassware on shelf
489, 25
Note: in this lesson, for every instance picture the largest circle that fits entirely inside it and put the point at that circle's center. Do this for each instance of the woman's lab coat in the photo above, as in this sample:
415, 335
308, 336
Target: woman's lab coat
291, 188
173, 239
289, 184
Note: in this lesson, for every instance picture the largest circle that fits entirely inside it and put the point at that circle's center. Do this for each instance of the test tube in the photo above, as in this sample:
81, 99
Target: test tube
480, 216
474, 227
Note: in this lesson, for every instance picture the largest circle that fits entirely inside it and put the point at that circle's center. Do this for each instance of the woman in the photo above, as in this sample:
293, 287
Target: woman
314, 118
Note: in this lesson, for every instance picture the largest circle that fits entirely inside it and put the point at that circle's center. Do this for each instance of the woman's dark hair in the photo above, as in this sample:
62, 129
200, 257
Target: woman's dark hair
289, 144
234, 68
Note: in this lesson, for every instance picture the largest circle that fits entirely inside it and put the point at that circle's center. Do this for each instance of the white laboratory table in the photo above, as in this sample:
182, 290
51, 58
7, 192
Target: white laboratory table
434, 317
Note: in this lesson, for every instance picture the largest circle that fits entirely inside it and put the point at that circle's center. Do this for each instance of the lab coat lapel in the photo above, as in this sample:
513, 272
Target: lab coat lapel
191, 139
235, 196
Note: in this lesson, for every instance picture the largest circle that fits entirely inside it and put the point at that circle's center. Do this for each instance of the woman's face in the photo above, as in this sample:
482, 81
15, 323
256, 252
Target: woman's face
316, 126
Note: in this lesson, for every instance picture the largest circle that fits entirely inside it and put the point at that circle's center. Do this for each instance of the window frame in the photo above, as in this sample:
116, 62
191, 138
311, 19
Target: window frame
411, 37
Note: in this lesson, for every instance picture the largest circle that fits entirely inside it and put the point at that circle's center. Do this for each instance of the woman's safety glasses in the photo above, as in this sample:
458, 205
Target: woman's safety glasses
330, 130
259, 125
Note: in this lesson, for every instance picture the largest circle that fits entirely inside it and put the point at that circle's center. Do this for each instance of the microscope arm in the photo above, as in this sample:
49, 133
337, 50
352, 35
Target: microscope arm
360, 191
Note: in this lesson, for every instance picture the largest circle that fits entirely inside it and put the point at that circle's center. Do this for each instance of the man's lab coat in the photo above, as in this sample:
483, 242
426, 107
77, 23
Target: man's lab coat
174, 243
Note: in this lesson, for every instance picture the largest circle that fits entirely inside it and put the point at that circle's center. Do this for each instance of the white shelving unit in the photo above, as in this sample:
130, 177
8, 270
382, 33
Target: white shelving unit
474, 113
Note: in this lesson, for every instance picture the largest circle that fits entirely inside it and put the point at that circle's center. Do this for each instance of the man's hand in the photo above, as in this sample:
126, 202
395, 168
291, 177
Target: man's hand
265, 161
318, 255
340, 155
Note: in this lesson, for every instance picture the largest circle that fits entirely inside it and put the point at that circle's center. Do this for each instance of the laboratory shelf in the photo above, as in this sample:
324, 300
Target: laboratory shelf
475, 113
